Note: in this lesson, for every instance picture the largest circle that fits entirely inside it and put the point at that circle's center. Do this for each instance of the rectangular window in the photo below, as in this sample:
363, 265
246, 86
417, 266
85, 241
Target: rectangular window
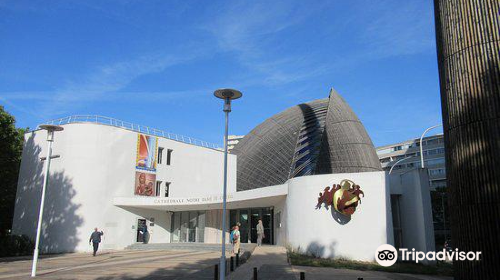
167, 188
396, 221
169, 156
160, 155
158, 187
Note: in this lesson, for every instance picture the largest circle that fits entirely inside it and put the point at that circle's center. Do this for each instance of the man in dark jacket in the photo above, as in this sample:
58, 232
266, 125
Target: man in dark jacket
95, 238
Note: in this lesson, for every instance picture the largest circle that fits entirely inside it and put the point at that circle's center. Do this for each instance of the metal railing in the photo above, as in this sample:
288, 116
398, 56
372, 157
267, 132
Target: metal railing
134, 127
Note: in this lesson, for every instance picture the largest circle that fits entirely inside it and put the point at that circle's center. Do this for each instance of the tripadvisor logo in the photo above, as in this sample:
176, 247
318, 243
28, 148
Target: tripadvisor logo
387, 255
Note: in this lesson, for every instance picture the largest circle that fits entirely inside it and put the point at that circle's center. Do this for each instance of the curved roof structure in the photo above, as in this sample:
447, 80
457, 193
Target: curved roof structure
319, 137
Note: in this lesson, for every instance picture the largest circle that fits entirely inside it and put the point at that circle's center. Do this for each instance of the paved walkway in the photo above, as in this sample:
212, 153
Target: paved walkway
168, 265
327, 273
271, 262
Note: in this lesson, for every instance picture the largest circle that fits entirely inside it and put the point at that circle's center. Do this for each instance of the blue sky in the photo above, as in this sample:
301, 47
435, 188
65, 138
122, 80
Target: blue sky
157, 63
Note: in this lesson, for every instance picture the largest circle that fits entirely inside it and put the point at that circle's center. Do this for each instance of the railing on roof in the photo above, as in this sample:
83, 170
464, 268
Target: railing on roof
134, 127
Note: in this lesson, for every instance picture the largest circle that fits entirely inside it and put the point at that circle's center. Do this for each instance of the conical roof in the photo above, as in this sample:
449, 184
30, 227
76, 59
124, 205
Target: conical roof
318, 137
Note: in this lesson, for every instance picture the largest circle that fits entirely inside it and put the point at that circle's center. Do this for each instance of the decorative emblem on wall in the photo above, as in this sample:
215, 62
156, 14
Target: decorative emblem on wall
344, 197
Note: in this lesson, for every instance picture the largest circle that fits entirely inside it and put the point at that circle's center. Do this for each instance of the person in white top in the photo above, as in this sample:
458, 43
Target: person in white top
236, 240
260, 233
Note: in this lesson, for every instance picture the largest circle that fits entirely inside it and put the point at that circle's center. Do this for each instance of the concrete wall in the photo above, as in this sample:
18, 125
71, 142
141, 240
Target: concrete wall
326, 234
415, 209
97, 163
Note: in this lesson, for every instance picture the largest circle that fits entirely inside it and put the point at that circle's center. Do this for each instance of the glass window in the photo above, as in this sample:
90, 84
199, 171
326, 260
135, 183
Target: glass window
176, 225
169, 156
167, 188
193, 224
158, 188
201, 227
160, 155
184, 226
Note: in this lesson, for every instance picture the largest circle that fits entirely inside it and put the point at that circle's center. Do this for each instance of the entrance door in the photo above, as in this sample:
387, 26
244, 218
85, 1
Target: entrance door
188, 226
267, 222
141, 229
248, 218
254, 220
245, 225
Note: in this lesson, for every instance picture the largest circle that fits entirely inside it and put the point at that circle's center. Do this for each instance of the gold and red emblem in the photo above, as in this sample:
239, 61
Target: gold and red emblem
344, 197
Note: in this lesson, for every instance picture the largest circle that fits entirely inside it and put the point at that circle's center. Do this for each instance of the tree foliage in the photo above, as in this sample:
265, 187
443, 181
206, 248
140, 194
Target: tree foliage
11, 146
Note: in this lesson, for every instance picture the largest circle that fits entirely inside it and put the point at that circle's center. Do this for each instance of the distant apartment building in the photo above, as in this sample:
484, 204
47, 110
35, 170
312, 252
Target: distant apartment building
232, 140
405, 156
434, 159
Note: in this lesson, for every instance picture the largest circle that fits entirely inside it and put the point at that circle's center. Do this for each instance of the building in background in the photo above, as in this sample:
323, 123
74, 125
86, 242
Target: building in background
434, 159
232, 140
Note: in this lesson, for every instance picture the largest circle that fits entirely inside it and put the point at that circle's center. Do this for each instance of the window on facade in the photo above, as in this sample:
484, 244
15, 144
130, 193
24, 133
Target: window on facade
384, 151
158, 188
439, 171
431, 142
167, 188
160, 155
384, 160
169, 156
396, 221
436, 161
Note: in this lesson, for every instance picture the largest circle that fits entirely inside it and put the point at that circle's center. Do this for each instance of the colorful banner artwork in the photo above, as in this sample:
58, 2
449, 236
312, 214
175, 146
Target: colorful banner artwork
145, 184
146, 152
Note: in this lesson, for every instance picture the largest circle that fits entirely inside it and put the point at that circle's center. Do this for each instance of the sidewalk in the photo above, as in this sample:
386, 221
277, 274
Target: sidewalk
271, 262
327, 273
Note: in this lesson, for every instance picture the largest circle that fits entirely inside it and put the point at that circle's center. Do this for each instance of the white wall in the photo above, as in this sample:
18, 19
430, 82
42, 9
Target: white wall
415, 209
316, 231
97, 163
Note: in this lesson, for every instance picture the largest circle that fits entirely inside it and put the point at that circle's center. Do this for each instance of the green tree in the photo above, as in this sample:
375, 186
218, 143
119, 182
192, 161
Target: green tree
11, 146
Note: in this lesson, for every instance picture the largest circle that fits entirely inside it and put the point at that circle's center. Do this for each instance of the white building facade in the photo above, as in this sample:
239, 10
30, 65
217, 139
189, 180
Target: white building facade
125, 181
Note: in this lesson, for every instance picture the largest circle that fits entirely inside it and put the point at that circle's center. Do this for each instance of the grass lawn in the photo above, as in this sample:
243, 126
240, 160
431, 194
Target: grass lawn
444, 269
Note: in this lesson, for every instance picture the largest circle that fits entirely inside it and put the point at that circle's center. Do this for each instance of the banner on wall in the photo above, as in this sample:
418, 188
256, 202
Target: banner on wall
144, 184
146, 152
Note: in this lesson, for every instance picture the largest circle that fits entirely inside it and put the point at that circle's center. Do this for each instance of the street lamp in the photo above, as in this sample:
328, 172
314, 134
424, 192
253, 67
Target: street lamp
227, 95
50, 138
421, 145
397, 162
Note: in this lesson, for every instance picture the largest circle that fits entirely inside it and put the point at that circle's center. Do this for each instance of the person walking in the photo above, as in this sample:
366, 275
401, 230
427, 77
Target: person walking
236, 240
260, 233
95, 238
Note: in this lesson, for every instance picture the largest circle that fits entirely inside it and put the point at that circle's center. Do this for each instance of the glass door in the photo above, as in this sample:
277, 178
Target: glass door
255, 216
248, 218
193, 224
176, 225
184, 226
141, 229
244, 228
267, 222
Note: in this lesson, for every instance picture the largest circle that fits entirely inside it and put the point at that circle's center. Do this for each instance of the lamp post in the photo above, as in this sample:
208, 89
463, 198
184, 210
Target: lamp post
227, 95
50, 139
397, 162
421, 144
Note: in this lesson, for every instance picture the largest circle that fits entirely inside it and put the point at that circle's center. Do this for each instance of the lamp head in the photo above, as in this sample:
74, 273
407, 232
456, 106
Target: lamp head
228, 93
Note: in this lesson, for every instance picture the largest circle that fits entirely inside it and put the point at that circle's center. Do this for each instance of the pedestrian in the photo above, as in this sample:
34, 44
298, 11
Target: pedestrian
260, 233
231, 238
95, 238
236, 240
